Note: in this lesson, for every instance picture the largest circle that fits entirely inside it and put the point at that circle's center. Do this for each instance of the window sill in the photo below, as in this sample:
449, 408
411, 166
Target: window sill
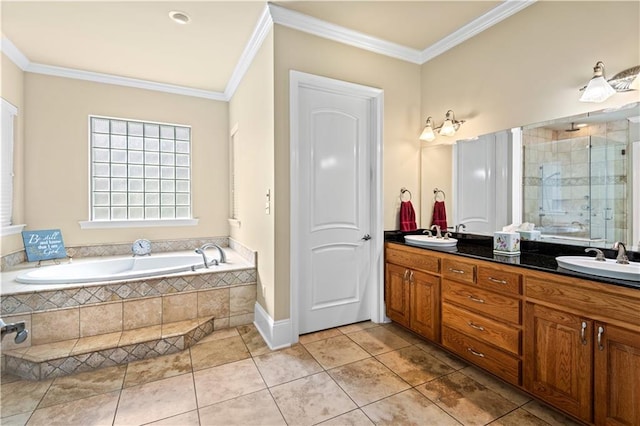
12, 230
110, 224
235, 223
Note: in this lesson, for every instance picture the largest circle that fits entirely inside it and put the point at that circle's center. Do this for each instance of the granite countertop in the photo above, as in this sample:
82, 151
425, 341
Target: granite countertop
540, 256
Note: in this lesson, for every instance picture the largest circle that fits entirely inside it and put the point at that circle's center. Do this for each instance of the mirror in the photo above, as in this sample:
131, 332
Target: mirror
577, 179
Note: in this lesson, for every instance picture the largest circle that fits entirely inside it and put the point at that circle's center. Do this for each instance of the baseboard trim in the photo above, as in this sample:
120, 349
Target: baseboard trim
277, 334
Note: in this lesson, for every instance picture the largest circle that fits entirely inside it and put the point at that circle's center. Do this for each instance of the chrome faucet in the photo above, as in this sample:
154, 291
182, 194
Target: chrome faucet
437, 228
460, 225
201, 250
622, 253
18, 327
599, 254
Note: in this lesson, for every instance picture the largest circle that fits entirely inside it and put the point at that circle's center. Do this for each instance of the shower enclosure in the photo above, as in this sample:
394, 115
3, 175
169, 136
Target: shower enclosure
575, 183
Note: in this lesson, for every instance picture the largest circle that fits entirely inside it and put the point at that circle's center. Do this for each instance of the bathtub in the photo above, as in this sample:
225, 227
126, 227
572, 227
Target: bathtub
113, 269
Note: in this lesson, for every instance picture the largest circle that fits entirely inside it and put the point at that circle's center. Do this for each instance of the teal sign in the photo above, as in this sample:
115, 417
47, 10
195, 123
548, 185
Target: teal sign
43, 245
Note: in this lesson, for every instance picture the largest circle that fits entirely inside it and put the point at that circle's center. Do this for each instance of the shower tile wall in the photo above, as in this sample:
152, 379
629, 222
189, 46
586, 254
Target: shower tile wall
591, 196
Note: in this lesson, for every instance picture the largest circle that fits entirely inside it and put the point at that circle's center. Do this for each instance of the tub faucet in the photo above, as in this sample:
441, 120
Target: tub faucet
18, 327
460, 226
437, 228
201, 250
622, 253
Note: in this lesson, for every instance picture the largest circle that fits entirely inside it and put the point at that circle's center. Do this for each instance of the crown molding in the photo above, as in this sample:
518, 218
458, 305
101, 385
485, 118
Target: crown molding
123, 81
489, 19
298, 21
317, 27
13, 53
260, 32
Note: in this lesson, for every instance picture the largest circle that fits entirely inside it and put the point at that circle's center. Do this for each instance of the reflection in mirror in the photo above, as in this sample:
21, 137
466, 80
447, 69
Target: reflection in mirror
580, 178
577, 176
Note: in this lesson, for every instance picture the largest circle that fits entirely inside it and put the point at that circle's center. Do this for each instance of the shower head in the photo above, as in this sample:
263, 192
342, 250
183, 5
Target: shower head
575, 127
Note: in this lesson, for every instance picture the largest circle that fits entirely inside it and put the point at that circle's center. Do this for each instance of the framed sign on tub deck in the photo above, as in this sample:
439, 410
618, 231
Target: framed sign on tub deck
43, 245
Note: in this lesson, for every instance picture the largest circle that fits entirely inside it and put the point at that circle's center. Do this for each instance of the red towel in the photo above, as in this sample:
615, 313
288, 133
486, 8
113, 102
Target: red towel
407, 217
439, 215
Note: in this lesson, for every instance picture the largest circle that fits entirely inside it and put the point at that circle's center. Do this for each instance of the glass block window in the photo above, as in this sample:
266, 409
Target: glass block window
139, 170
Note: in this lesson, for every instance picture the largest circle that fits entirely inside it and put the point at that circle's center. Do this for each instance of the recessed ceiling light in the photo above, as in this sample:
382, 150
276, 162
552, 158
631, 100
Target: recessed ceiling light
179, 17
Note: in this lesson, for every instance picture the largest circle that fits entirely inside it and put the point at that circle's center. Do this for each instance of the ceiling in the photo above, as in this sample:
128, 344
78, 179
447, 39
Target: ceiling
138, 40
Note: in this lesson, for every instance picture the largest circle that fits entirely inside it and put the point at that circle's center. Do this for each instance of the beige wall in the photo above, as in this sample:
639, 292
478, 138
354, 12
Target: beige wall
529, 67
437, 169
56, 155
251, 110
400, 81
12, 90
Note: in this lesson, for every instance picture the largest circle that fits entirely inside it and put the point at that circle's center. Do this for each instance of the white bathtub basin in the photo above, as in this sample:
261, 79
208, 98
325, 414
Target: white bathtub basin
113, 269
609, 268
429, 241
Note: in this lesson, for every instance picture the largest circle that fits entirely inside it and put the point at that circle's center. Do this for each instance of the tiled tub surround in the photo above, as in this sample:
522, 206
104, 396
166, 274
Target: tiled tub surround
78, 327
12, 260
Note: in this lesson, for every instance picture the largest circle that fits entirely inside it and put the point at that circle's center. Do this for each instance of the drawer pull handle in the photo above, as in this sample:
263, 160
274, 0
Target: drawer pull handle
456, 271
477, 327
480, 354
495, 280
475, 299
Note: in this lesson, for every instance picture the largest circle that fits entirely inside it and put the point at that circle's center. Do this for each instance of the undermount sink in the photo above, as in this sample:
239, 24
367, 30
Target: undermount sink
429, 241
608, 268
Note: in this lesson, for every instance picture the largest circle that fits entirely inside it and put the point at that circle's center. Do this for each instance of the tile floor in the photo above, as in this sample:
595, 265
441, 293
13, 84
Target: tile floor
361, 374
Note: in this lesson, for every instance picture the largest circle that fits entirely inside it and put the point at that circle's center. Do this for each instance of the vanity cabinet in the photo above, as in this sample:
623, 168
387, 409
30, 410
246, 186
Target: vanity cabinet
559, 352
616, 375
582, 348
412, 291
482, 316
571, 342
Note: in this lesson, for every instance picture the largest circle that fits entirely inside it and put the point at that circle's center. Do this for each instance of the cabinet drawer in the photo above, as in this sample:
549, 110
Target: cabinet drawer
483, 355
499, 280
482, 328
422, 261
459, 271
498, 306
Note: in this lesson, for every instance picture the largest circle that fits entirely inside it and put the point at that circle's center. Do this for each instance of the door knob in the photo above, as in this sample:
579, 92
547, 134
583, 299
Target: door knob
366, 237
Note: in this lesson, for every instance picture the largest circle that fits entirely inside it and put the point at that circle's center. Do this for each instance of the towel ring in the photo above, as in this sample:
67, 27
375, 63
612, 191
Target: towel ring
437, 191
402, 192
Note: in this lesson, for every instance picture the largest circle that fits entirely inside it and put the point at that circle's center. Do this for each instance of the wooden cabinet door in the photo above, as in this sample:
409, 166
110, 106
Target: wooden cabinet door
396, 293
425, 305
617, 376
558, 359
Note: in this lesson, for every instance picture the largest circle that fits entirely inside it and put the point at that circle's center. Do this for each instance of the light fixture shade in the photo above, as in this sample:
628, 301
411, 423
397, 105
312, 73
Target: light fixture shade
447, 128
450, 125
427, 133
598, 89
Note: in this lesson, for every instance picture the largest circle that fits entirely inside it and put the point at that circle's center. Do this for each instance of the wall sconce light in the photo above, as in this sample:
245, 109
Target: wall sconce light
450, 125
598, 89
428, 134
448, 128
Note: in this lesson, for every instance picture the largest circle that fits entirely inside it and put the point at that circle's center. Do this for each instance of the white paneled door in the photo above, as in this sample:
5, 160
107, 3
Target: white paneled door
334, 196
482, 176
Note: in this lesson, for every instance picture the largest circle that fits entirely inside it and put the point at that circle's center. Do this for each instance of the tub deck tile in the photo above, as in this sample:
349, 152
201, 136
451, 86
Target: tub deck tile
52, 360
138, 335
96, 343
